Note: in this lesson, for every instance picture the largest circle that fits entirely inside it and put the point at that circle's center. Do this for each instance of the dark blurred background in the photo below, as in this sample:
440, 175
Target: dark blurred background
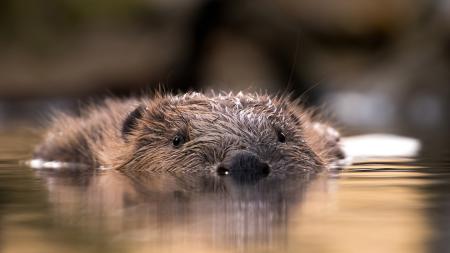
379, 65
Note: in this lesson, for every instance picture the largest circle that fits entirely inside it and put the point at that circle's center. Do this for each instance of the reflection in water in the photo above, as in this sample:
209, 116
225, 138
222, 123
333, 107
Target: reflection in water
166, 208
171, 212
397, 205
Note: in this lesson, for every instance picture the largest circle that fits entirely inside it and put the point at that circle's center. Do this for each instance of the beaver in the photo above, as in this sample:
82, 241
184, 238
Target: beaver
223, 134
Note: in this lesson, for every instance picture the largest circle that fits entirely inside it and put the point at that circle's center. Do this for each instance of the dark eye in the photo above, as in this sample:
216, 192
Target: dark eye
281, 137
178, 140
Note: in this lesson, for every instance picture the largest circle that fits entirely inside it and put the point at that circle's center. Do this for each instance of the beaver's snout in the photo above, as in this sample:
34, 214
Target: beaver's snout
243, 165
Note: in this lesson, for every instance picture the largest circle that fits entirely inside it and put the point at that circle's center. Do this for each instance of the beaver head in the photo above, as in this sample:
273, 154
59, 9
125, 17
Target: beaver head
242, 135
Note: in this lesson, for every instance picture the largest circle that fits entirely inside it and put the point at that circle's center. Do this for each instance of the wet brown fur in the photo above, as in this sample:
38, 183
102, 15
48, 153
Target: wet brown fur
137, 134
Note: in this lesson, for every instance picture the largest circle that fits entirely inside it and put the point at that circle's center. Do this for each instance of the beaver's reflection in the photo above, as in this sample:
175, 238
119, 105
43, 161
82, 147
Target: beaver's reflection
165, 207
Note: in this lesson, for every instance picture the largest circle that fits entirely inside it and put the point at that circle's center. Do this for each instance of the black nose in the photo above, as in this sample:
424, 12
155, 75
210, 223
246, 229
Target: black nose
244, 166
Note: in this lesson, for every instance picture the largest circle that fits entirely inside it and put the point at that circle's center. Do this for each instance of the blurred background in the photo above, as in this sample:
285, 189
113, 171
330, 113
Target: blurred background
374, 65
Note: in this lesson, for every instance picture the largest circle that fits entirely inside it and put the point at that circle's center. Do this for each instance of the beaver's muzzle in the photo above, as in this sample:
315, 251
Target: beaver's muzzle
243, 166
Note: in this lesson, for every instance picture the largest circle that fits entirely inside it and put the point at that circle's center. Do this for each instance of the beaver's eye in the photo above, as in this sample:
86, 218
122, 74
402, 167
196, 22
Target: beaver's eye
281, 137
178, 140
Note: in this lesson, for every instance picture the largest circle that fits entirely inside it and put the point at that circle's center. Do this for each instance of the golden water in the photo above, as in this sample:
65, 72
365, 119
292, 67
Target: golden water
394, 205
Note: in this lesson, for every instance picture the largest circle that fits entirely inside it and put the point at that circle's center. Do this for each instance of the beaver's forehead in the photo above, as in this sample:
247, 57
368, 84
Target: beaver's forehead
238, 110
232, 104
241, 114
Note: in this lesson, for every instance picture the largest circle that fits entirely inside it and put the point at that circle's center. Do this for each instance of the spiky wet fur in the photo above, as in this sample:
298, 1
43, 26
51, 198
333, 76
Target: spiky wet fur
137, 134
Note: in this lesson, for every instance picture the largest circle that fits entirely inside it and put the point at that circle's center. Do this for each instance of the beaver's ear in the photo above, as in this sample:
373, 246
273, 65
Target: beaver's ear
130, 122
325, 140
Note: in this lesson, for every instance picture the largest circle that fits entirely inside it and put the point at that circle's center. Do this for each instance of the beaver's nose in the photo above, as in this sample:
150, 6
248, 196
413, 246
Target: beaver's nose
243, 165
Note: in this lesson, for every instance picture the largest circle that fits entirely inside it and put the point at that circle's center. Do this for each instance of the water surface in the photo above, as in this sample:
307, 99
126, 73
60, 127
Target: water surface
389, 205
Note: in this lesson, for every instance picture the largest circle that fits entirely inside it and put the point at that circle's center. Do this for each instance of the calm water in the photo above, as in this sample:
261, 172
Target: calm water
395, 205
